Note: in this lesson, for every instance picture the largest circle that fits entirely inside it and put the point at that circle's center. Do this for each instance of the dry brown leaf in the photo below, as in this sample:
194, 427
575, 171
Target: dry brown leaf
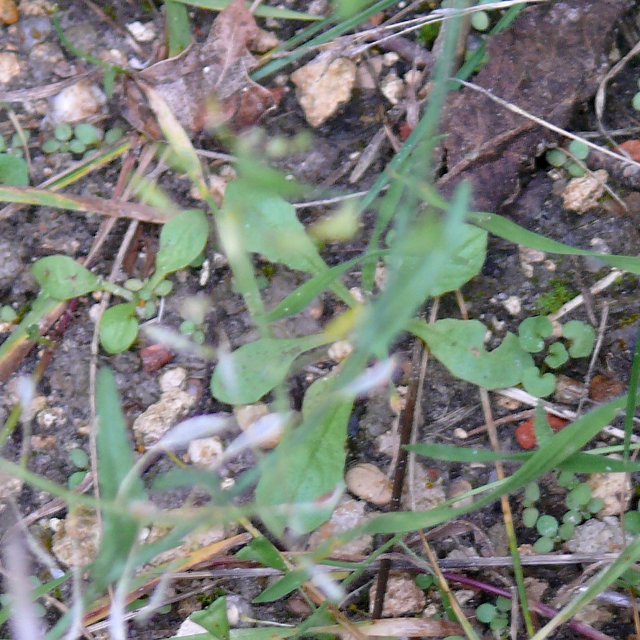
208, 84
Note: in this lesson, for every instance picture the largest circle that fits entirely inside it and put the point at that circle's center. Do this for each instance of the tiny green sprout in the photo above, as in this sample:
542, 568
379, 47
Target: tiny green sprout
50, 146
567, 479
572, 517
539, 385
134, 284
632, 519
198, 336
79, 458
163, 288
529, 517
566, 531
503, 604
557, 355
556, 157
575, 170
581, 337
547, 526
88, 134
76, 479
149, 310
543, 545
187, 327
8, 314
63, 132
77, 146
635, 101
113, 135
486, 612
531, 493
480, 20
533, 331
578, 497
595, 505
579, 149
425, 581
144, 294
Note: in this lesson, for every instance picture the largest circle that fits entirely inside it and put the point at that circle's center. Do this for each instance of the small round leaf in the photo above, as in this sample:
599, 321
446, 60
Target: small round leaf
119, 328
581, 336
536, 384
532, 333
486, 612
543, 545
547, 526
62, 278
556, 356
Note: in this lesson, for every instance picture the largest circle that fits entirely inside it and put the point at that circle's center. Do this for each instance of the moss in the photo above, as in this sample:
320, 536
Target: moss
559, 292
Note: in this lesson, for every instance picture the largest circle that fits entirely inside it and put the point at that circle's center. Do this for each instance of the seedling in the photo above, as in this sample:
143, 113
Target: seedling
182, 241
581, 507
495, 615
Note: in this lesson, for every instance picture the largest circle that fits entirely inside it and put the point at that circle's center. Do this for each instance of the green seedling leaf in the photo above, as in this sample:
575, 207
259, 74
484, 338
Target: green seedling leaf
62, 278
271, 228
214, 619
115, 461
308, 464
468, 253
262, 551
182, 240
13, 170
581, 336
532, 333
254, 369
556, 356
88, 134
547, 526
537, 384
459, 345
119, 328
283, 587
178, 27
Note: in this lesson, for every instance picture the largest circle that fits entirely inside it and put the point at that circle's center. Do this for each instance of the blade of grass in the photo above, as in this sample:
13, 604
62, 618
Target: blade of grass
632, 397
178, 27
263, 11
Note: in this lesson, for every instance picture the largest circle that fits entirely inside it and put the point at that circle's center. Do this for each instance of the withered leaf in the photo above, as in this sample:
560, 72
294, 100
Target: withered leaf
548, 62
208, 84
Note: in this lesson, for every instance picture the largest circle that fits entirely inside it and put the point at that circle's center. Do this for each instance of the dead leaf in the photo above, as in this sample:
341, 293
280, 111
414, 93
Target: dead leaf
208, 84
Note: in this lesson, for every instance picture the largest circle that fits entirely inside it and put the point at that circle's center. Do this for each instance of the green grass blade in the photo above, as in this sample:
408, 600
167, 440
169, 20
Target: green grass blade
508, 230
178, 27
263, 11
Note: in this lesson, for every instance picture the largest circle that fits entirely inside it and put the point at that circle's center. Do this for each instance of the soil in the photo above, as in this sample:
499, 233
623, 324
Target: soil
536, 203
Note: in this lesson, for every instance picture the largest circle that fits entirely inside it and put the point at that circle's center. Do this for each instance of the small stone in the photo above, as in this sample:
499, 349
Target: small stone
568, 390
368, 482
403, 597
37, 7
150, 426
460, 433
44, 443
77, 538
529, 257
264, 41
348, 515
9, 13
458, 487
340, 350
9, 67
154, 357
77, 102
246, 415
513, 305
142, 31
9, 487
387, 443
392, 88
323, 85
205, 453
614, 489
582, 194
172, 379
51, 417
427, 488
597, 536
